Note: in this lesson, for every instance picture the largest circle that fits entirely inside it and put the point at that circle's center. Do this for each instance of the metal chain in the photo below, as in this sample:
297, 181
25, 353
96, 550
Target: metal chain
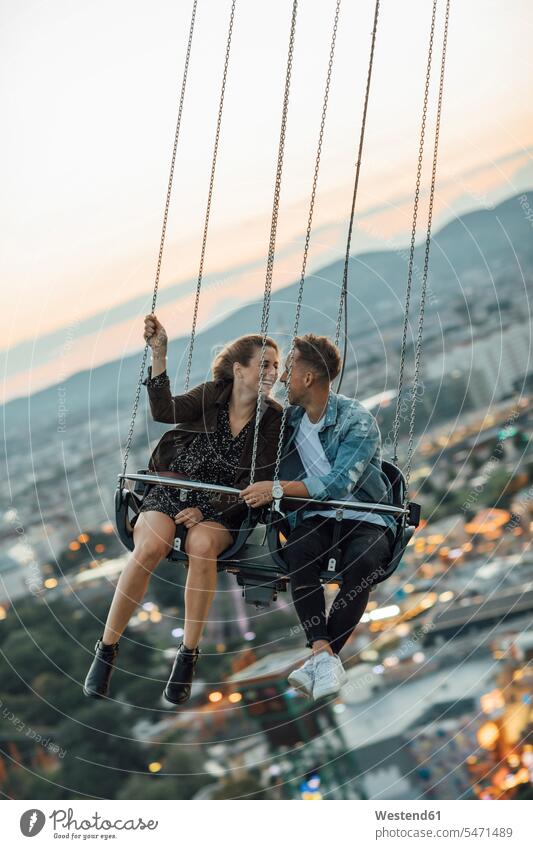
307, 239
273, 232
163, 231
344, 290
210, 196
396, 425
418, 355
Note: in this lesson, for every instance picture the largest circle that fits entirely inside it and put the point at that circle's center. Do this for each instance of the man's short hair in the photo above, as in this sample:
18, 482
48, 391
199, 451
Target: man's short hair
320, 354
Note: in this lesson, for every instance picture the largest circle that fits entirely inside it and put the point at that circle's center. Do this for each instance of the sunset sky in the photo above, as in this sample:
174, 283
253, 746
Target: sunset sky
89, 101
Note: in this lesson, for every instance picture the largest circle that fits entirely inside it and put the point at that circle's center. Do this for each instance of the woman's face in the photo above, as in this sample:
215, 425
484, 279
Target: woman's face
250, 373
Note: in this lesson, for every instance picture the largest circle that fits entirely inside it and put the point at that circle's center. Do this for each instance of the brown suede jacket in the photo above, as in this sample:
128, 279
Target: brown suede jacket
196, 412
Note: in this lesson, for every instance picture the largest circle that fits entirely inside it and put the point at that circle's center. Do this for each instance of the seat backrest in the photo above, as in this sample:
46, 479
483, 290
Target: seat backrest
396, 480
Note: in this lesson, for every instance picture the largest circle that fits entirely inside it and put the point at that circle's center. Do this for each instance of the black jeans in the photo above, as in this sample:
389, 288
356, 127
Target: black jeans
366, 549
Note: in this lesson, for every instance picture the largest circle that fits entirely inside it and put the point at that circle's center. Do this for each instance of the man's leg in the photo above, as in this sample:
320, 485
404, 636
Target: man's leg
322, 674
366, 549
303, 554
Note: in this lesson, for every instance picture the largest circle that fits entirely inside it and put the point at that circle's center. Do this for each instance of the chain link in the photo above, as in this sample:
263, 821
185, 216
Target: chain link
273, 232
396, 425
163, 232
344, 290
307, 239
418, 355
209, 196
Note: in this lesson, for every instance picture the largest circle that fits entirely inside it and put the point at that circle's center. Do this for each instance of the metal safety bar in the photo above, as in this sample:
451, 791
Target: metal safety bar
287, 499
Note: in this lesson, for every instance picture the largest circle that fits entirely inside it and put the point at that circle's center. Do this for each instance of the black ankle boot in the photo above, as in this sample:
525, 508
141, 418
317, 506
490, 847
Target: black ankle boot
178, 689
97, 681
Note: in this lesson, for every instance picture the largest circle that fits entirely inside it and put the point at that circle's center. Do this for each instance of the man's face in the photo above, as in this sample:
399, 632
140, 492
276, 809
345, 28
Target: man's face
298, 388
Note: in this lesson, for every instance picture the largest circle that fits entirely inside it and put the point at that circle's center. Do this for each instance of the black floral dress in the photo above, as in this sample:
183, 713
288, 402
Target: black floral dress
210, 458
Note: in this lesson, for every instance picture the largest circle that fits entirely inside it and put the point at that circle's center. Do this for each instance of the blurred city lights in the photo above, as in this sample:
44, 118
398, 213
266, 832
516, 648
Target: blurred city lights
446, 596
487, 735
384, 612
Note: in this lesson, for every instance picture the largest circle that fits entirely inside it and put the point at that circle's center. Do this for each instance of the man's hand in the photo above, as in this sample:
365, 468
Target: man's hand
189, 517
258, 494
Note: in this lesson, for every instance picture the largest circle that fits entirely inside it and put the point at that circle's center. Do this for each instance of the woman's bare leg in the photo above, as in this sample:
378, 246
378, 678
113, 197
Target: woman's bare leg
203, 543
153, 535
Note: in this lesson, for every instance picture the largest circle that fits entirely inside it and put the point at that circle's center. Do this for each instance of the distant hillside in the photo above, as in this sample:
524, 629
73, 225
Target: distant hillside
472, 251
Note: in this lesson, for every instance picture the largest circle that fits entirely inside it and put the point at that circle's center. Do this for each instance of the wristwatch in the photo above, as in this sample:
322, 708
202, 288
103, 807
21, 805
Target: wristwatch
277, 491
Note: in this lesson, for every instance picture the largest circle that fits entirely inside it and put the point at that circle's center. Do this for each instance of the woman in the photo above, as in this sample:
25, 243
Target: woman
212, 442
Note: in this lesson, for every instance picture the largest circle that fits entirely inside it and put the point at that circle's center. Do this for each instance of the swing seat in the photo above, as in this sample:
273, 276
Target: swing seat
406, 524
248, 558
259, 576
255, 557
128, 503
278, 527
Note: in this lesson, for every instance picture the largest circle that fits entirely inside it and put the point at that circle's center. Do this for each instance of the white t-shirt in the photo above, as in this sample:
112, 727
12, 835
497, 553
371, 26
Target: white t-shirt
316, 463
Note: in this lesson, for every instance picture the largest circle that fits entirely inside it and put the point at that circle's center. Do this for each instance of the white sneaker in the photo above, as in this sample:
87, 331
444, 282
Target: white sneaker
302, 679
329, 675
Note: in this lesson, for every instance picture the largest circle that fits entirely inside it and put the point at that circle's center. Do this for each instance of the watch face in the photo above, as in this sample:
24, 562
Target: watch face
277, 490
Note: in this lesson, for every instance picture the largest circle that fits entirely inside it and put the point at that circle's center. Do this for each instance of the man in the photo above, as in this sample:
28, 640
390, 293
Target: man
332, 451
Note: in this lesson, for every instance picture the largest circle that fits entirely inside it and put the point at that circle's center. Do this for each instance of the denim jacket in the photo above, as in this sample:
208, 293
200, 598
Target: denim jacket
351, 440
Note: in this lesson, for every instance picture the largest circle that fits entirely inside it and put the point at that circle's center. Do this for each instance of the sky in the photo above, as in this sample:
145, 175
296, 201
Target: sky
89, 96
